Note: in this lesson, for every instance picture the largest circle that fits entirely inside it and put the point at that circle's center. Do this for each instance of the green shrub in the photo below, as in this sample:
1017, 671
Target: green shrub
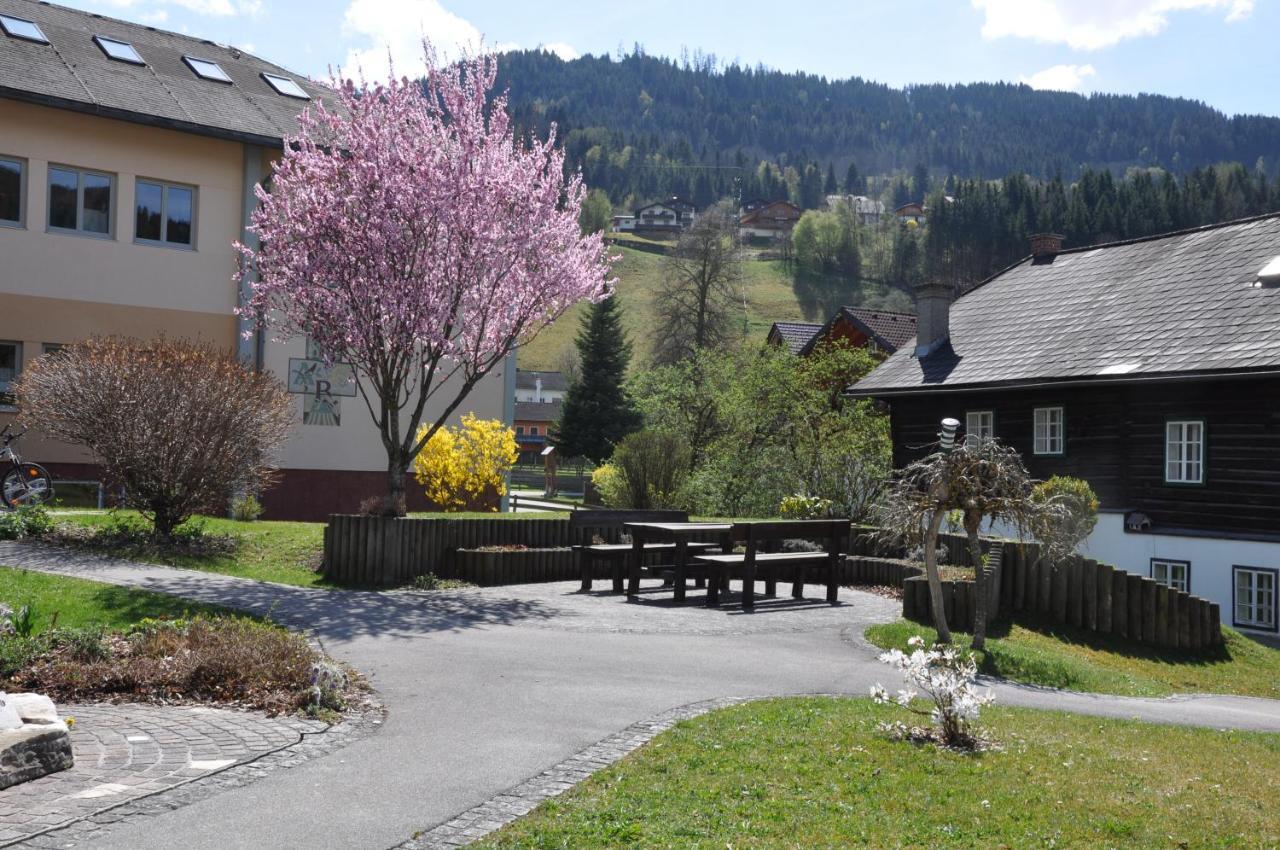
1070, 505
804, 507
246, 508
431, 581
653, 466
26, 521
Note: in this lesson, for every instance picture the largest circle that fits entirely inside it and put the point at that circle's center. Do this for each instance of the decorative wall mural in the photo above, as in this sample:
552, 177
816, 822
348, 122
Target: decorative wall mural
321, 385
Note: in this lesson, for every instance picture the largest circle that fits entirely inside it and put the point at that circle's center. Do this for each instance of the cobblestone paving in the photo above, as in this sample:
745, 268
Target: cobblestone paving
136, 760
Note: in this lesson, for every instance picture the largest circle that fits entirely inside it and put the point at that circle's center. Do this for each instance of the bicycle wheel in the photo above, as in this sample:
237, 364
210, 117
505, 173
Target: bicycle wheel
26, 484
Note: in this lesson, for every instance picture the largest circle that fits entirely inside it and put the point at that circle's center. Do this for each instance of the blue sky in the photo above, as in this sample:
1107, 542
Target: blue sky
1222, 52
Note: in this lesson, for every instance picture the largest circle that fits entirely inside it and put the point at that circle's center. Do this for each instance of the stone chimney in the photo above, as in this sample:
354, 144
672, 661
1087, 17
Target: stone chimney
1045, 245
933, 316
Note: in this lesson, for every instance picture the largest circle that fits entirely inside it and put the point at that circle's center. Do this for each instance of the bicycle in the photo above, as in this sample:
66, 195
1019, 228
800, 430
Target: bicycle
23, 483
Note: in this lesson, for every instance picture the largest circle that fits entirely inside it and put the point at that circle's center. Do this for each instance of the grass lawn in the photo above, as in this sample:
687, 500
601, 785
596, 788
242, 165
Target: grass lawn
284, 552
815, 772
78, 603
1081, 661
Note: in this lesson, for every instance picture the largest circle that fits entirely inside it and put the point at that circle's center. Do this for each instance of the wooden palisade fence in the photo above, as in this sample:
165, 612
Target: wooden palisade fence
1081, 593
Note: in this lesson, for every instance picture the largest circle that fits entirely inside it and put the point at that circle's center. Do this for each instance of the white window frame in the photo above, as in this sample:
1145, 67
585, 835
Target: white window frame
1163, 571
79, 230
165, 186
1184, 458
5, 404
1043, 438
533, 430
1259, 611
979, 425
22, 192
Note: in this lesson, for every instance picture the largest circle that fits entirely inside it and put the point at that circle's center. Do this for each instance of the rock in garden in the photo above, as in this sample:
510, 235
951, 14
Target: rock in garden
37, 745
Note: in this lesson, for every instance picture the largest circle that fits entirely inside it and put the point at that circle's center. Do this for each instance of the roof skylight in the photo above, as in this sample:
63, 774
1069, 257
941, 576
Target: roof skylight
22, 28
121, 51
1270, 273
207, 69
285, 86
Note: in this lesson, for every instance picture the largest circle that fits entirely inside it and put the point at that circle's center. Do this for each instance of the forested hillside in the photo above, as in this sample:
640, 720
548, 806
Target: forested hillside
635, 125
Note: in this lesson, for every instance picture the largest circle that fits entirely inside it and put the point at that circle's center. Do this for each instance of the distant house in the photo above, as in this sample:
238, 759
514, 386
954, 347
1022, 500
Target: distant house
533, 423
794, 335
624, 223
541, 387
670, 216
1149, 368
868, 210
913, 211
881, 331
772, 221
539, 400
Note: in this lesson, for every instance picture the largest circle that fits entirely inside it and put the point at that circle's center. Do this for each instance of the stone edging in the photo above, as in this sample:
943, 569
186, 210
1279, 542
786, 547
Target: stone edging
309, 745
498, 811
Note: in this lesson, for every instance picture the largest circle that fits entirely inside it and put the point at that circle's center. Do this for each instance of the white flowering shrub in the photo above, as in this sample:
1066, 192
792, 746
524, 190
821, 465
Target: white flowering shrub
946, 676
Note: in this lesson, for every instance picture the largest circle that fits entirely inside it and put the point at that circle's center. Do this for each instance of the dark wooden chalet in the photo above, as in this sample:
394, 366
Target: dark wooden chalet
1149, 368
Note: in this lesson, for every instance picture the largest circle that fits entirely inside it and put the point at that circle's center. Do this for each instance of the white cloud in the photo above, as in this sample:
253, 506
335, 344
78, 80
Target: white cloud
1060, 77
559, 48
394, 29
1092, 24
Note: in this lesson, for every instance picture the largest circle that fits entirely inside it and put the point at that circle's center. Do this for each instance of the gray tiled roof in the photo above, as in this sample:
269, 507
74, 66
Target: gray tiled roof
538, 411
795, 335
551, 381
1163, 306
72, 72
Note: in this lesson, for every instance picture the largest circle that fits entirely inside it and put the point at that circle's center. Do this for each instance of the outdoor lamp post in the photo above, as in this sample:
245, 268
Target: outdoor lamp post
947, 437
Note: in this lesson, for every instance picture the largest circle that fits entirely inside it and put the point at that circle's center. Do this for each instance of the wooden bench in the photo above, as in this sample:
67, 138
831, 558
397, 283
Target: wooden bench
756, 560
585, 525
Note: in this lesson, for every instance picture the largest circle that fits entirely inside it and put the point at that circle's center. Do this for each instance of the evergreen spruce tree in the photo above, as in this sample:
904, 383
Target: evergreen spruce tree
598, 412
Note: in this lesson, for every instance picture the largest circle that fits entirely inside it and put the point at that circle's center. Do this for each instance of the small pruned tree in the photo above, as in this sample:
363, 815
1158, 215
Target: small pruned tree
183, 426
651, 467
415, 233
983, 480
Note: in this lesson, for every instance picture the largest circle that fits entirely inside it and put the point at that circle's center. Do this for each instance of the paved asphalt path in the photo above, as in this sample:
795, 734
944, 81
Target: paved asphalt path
486, 688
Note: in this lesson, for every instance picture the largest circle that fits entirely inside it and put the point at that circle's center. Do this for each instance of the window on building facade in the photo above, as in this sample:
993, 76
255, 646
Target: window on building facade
1184, 451
10, 368
1049, 436
1255, 598
121, 51
164, 213
286, 86
12, 195
519, 430
979, 425
22, 28
533, 430
1175, 574
80, 201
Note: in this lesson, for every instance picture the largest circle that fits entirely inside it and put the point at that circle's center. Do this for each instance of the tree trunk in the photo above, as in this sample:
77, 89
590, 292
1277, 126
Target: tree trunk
396, 469
971, 525
935, 581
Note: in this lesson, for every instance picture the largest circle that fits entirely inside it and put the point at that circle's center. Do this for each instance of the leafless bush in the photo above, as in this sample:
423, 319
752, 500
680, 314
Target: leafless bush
182, 425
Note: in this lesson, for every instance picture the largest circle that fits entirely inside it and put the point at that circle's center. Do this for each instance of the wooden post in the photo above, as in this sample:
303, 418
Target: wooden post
1044, 594
1119, 604
1105, 584
1184, 621
1075, 591
1149, 613
1161, 631
1135, 606
1215, 625
1193, 625
1089, 594
1059, 590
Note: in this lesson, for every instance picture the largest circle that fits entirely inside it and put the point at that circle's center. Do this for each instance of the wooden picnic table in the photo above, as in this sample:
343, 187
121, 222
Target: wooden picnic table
679, 533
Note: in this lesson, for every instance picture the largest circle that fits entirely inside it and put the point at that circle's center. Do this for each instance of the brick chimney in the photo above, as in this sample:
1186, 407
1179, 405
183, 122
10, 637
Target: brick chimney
1045, 245
933, 316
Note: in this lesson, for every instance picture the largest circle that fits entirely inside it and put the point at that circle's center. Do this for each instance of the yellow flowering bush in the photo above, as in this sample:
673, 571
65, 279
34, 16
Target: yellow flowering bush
458, 466
608, 483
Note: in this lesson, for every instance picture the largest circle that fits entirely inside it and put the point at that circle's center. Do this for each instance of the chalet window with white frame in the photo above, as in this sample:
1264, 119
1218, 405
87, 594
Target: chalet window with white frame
979, 425
1184, 451
1175, 574
1049, 432
1255, 598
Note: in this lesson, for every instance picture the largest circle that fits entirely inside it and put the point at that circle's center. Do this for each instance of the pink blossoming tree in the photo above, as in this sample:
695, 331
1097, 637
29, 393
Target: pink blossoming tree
414, 234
